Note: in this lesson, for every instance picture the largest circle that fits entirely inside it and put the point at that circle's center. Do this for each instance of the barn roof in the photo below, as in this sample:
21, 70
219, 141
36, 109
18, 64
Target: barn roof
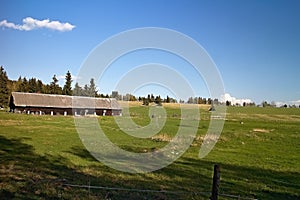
63, 101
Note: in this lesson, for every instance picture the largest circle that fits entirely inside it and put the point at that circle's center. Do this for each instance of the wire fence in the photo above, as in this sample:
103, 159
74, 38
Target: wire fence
203, 194
114, 192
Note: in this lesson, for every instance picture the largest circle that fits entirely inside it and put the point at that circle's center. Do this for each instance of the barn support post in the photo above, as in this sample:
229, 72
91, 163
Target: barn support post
216, 183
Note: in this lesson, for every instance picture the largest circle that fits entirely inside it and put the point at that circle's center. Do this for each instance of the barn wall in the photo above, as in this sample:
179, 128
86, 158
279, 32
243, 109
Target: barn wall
47, 111
70, 111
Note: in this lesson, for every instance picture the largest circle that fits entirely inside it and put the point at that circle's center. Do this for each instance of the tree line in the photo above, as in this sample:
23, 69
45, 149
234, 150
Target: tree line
34, 85
150, 98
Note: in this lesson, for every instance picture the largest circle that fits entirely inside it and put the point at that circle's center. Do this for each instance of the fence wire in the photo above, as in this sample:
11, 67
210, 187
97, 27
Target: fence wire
155, 191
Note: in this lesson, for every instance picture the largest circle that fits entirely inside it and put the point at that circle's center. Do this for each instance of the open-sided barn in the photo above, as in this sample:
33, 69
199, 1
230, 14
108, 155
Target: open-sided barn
62, 104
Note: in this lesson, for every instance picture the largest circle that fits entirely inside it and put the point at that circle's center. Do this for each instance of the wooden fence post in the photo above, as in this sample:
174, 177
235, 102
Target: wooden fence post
216, 183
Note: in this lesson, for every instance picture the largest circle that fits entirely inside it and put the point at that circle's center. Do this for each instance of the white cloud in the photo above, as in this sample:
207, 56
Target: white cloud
30, 24
63, 77
296, 103
233, 100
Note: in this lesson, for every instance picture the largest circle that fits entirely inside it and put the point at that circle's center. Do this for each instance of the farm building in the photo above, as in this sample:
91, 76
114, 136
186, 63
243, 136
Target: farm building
33, 103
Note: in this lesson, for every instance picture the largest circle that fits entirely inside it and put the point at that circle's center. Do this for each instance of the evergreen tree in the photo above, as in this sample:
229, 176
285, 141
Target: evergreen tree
228, 103
158, 100
92, 90
168, 99
67, 90
24, 87
39, 86
209, 101
85, 91
265, 104
200, 101
190, 100
19, 83
77, 91
46, 89
152, 98
3, 88
132, 98
11, 86
54, 87
32, 85
145, 101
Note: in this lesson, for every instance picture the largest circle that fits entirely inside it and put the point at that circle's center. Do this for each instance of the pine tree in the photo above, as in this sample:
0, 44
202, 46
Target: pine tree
158, 100
54, 87
190, 100
77, 91
39, 86
168, 99
67, 90
145, 101
92, 90
209, 101
24, 86
32, 85
3, 88
85, 91
152, 98
19, 83
46, 89
228, 103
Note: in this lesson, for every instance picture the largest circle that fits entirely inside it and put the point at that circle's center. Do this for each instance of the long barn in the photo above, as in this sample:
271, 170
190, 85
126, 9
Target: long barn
29, 103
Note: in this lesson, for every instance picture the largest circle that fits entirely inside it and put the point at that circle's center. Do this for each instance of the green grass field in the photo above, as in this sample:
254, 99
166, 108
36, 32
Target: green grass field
258, 151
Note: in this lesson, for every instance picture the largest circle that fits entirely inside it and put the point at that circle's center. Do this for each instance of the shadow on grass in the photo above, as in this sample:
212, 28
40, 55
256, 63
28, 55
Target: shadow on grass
27, 175
194, 178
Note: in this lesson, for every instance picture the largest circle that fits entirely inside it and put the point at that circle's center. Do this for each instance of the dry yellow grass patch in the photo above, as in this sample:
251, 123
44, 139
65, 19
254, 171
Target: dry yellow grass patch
130, 103
10, 123
261, 130
162, 138
182, 105
169, 105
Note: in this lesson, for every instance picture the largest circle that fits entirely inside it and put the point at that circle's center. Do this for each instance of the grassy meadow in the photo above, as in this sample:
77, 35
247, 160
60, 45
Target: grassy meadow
258, 151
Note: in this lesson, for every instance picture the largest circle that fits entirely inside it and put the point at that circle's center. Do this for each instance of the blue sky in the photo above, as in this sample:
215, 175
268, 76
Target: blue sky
254, 44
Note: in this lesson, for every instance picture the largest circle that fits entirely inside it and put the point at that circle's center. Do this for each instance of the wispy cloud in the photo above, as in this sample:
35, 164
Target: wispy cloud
234, 100
30, 24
